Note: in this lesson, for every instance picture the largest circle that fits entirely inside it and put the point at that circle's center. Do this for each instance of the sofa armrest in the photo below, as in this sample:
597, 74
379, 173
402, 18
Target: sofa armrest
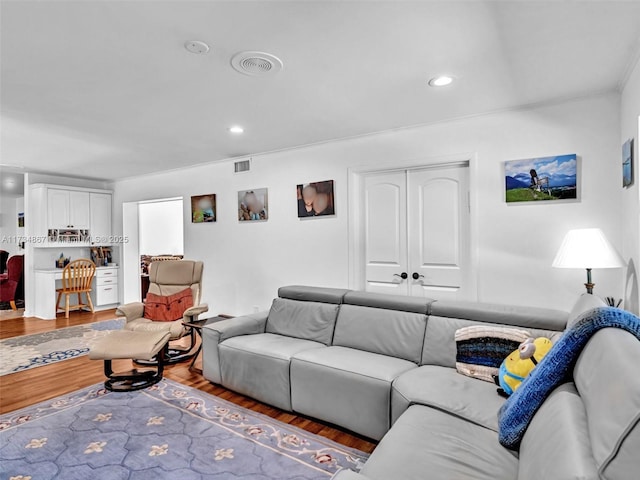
192, 313
132, 311
215, 333
245, 325
345, 474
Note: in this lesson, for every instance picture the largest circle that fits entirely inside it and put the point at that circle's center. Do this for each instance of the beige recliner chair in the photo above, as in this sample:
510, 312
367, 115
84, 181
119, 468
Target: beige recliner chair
167, 278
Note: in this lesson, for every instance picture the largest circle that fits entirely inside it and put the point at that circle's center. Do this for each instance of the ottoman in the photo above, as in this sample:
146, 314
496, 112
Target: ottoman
128, 344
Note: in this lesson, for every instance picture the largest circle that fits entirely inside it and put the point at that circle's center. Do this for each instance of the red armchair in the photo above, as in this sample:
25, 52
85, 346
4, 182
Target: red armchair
4, 256
9, 285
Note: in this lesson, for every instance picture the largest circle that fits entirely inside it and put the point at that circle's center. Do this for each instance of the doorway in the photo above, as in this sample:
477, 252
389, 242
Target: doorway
413, 232
12, 243
153, 228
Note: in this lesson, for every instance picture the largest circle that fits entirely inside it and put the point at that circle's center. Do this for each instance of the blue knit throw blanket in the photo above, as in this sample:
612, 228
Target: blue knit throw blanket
554, 369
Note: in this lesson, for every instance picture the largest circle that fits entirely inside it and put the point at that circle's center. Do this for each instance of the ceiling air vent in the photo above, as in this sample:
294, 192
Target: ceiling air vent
242, 166
256, 63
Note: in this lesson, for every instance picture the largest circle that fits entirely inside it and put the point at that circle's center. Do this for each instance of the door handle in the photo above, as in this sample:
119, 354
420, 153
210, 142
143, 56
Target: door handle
402, 275
416, 276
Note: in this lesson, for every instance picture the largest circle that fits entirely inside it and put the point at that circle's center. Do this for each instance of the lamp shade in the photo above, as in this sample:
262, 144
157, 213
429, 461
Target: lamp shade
587, 248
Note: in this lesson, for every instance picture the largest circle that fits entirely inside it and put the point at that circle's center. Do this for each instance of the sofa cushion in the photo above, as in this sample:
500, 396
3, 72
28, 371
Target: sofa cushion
390, 302
345, 386
447, 390
440, 345
306, 320
426, 443
312, 294
215, 333
376, 330
606, 376
258, 365
482, 348
556, 445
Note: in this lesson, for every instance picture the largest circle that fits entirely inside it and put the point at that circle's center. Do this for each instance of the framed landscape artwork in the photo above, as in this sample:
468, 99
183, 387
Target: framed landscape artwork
315, 199
253, 205
203, 208
627, 163
541, 179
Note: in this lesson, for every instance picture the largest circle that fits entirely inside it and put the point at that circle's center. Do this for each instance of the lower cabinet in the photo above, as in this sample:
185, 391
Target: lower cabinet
106, 286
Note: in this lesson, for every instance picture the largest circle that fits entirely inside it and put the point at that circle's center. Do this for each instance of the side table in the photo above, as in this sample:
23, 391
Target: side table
197, 327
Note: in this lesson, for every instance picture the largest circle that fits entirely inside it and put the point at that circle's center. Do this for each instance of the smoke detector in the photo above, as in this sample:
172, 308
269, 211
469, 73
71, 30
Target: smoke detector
197, 47
256, 64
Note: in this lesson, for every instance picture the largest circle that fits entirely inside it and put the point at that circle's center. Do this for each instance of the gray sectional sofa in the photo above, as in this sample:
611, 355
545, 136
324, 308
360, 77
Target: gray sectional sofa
384, 367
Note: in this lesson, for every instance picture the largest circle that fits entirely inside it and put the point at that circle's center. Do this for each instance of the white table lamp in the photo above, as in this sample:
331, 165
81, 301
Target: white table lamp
587, 248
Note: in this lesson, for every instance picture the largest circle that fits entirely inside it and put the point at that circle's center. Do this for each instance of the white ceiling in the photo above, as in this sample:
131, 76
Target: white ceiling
105, 89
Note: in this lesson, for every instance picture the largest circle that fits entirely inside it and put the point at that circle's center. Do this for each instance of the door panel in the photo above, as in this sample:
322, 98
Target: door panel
100, 229
58, 208
79, 211
385, 232
438, 219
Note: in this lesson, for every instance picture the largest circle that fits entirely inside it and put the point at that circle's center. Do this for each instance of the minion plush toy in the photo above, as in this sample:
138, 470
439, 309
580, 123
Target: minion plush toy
515, 368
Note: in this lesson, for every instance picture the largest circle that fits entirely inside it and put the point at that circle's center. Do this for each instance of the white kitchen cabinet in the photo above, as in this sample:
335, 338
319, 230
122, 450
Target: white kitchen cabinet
75, 216
100, 228
67, 209
79, 211
57, 208
106, 286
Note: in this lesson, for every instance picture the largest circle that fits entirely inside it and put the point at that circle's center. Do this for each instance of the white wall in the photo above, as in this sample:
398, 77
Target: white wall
245, 263
161, 228
629, 128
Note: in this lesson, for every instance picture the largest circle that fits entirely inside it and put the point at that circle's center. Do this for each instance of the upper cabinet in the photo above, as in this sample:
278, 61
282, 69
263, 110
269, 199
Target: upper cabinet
68, 209
100, 215
70, 215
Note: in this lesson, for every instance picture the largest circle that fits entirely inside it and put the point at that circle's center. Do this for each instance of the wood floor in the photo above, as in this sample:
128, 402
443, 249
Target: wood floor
25, 388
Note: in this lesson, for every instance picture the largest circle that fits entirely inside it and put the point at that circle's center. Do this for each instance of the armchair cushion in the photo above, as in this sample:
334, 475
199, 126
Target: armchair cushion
168, 308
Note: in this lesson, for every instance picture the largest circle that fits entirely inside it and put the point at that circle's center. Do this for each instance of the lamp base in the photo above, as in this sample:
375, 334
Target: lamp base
589, 283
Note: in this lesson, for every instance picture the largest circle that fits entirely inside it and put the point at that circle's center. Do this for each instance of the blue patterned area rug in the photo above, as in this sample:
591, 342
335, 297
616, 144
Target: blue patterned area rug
28, 351
168, 431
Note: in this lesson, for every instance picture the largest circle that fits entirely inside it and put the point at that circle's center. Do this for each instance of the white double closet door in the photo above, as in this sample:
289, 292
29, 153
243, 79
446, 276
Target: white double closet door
416, 232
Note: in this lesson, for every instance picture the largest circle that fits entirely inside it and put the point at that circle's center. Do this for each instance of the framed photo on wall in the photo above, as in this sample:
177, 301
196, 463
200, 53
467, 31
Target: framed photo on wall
203, 208
627, 163
316, 199
253, 205
542, 179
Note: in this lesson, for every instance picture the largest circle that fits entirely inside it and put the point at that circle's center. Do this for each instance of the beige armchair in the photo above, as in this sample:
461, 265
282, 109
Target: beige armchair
167, 278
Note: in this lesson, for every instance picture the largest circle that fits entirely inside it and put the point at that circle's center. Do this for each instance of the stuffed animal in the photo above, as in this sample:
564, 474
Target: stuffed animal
515, 368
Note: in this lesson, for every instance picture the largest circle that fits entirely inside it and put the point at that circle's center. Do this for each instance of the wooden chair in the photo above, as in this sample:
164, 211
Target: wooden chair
76, 280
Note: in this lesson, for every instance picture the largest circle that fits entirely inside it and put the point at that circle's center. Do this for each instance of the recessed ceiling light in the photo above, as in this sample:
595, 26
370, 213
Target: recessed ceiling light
197, 47
441, 81
236, 129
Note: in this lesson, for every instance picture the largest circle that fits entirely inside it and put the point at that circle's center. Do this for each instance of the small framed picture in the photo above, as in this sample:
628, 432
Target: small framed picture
203, 208
253, 205
316, 199
542, 179
627, 163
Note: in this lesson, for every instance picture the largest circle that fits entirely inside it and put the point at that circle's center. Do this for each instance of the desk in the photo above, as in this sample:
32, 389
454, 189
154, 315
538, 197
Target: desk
104, 290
